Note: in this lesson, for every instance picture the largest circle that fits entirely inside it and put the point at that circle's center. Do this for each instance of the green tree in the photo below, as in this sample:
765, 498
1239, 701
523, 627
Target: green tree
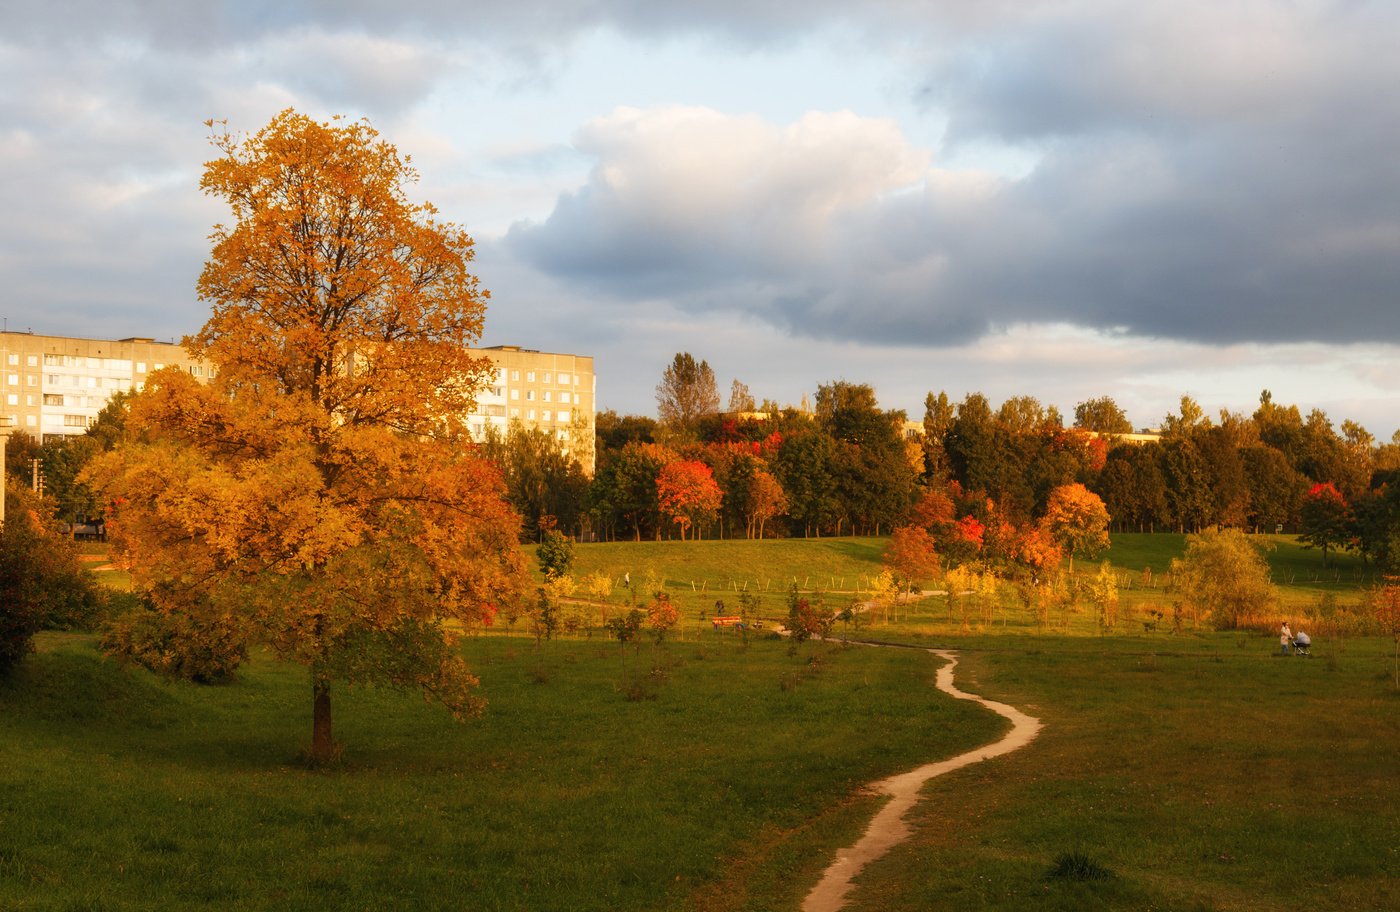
804, 467
1223, 578
1275, 488
543, 482
1103, 416
42, 583
63, 460
555, 554
20, 452
686, 393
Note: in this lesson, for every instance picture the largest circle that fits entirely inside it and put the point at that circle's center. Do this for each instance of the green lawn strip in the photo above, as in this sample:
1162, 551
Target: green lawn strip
1213, 778
722, 567
598, 778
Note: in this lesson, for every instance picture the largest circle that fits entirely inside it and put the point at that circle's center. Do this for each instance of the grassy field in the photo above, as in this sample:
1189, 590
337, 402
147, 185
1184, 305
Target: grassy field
597, 779
1198, 775
698, 574
1197, 770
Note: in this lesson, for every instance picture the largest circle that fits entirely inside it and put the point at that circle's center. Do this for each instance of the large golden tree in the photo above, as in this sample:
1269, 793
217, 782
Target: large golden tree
320, 493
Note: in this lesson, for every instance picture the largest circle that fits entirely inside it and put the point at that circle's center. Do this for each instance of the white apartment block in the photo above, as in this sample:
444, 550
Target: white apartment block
552, 392
54, 386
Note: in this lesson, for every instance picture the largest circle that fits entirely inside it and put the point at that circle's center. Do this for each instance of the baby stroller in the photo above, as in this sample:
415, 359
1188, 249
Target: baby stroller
1302, 644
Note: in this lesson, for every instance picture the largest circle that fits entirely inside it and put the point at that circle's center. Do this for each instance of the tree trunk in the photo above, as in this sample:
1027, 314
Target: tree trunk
322, 745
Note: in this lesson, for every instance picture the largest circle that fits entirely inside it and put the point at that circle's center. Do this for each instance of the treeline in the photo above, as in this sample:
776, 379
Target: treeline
846, 466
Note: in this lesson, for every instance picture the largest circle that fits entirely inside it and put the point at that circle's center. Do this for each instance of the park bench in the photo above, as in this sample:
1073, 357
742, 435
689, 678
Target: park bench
732, 620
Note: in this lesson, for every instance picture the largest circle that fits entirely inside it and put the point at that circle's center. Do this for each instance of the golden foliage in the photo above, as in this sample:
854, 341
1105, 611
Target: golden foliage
321, 489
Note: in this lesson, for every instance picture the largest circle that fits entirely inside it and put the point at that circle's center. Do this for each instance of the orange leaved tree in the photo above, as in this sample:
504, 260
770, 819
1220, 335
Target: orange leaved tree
910, 553
687, 492
1077, 520
320, 494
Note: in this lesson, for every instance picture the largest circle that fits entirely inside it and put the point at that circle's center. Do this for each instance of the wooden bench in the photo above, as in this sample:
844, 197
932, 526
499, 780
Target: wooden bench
732, 620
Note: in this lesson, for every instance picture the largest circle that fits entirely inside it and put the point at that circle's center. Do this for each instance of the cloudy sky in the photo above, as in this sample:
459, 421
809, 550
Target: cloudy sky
1062, 199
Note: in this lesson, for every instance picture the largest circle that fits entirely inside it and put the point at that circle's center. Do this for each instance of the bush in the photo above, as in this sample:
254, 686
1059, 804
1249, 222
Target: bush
176, 646
555, 554
42, 582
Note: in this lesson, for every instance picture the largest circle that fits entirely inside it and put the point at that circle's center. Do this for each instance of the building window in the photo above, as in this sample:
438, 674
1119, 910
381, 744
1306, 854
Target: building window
12, 399
546, 377
563, 379
14, 360
12, 379
563, 397
529, 376
140, 367
515, 375
53, 360
529, 395
30, 420
515, 413
530, 414
79, 421
52, 399
544, 416
29, 399
515, 394
548, 395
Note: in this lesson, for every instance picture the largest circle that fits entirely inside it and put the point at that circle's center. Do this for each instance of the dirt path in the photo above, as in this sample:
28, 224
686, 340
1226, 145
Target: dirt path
888, 828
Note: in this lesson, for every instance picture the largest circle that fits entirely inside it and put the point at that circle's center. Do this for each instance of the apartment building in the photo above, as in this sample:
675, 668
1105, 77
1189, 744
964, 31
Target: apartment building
553, 392
53, 386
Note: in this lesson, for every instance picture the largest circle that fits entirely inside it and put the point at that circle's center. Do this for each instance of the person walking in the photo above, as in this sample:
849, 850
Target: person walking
1285, 639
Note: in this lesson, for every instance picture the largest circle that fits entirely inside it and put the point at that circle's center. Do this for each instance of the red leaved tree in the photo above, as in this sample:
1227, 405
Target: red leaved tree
687, 494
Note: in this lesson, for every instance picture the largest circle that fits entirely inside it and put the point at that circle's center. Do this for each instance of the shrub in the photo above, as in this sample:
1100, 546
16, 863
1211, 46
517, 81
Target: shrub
42, 583
555, 554
1077, 866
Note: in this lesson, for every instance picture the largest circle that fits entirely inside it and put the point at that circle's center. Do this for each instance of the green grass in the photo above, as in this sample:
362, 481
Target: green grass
717, 567
597, 779
1202, 775
1196, 770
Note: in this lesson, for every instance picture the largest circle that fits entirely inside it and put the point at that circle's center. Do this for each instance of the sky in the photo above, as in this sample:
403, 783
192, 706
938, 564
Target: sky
1065, 199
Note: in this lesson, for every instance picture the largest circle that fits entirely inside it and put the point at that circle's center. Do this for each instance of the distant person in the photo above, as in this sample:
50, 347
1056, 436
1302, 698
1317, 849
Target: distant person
1285, 638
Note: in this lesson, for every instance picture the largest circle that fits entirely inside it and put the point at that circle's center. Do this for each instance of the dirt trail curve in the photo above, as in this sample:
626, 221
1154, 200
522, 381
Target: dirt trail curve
888, 828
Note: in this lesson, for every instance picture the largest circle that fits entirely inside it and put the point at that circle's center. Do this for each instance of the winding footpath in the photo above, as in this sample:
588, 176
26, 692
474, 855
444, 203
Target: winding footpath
889, 828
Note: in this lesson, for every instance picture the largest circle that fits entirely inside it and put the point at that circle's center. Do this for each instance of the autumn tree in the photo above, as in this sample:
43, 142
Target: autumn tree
687, 493
1326, 519
910, 554
740, 399
321, 492
765, 500
687, 392
1076, 518
1384, 605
